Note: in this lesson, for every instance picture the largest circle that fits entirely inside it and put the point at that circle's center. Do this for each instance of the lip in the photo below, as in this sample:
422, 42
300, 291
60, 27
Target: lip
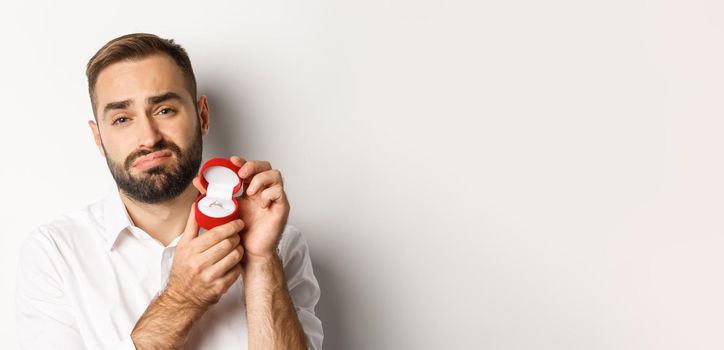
151, 159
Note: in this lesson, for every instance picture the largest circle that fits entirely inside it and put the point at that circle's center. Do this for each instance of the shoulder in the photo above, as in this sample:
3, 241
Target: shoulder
70, 230
39, 240
39, 259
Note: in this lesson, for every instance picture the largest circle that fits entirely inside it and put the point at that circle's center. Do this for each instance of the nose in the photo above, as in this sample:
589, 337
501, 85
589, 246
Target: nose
148, 132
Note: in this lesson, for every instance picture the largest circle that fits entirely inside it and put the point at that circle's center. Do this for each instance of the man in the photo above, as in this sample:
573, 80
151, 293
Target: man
132, 271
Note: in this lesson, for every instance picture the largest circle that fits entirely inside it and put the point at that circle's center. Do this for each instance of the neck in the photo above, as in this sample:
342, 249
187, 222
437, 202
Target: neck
162, 221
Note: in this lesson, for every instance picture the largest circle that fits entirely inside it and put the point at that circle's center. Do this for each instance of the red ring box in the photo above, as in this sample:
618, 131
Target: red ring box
220, 178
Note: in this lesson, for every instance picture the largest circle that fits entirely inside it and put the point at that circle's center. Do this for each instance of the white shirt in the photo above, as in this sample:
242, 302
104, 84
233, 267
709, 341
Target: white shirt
83, 281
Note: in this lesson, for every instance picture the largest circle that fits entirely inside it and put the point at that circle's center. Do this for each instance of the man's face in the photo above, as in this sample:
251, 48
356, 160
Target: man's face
148, 127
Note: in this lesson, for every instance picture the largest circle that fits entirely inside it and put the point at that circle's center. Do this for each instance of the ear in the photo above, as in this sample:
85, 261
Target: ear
203, 108
96, 136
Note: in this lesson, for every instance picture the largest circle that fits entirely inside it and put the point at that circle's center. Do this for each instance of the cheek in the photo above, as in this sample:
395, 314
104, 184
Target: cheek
183, 137
116, 149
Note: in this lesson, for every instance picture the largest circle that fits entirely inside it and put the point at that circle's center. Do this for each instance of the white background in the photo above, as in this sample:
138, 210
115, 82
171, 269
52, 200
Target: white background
469, 175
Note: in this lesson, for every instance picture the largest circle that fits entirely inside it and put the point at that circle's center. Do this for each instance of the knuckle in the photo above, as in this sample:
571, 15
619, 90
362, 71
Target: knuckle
218, 288
214, 299
232, 227
207, 279
234, 254
216, 233
222, 232
196, 267
237, 254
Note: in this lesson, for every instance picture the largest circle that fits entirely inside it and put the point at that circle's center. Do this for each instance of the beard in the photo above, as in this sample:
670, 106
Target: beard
164, 181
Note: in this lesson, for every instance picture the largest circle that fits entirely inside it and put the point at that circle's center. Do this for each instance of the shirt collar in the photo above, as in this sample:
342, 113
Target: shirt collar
117, 219
115, 216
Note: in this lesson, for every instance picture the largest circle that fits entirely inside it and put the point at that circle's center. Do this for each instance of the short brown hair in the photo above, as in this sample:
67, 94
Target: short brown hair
138, 46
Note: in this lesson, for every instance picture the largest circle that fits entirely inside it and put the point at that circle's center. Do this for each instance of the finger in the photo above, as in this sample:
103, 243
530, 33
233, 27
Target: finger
220, 250
218, 234
263, 180
197, 183
249, 168
230, 276
238, 161
271, 194
227, 262
191, 230
253, 167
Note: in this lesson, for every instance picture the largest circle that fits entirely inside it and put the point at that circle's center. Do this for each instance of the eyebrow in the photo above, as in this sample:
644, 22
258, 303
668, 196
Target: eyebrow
151, 100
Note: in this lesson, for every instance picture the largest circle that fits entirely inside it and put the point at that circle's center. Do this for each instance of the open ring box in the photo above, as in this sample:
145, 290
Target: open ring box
220, 178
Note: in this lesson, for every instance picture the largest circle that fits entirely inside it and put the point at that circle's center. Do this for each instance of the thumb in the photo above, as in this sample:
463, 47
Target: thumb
192, 228
197, 183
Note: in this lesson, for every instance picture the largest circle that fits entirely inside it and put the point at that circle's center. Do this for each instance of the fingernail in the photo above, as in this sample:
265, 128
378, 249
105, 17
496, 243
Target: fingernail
251, 190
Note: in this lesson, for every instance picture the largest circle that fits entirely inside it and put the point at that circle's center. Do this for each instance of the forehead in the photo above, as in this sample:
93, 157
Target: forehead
135, 79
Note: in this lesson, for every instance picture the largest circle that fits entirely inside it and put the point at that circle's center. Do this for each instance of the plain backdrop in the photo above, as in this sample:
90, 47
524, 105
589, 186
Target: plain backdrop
468, 174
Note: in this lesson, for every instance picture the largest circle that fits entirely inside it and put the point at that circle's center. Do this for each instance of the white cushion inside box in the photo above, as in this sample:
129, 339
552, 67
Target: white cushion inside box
219, 192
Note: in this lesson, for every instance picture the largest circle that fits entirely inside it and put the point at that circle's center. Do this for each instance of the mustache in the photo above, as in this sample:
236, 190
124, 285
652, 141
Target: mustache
160, 146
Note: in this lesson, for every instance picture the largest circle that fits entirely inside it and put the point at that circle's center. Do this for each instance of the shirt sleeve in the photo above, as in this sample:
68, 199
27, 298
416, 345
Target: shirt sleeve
45, 319
302, 284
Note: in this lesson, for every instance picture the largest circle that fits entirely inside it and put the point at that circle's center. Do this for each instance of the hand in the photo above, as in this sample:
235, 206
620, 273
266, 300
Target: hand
204, 267
263, 208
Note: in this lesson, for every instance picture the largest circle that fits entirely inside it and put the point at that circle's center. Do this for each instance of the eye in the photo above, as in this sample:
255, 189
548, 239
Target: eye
119, 119
166, 111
